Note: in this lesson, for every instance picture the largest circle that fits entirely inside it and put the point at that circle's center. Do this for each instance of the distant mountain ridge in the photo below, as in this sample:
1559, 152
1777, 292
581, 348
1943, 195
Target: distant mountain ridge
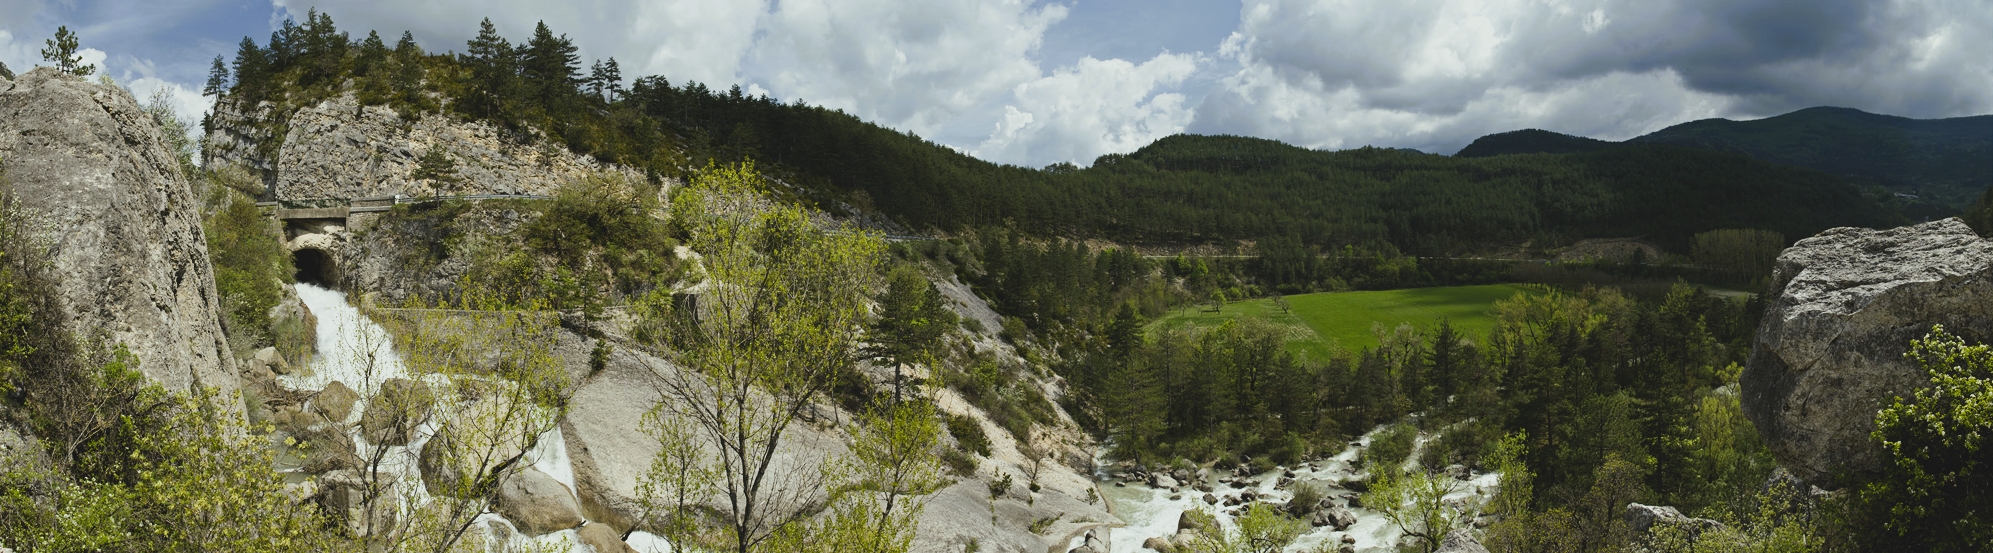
1944, 163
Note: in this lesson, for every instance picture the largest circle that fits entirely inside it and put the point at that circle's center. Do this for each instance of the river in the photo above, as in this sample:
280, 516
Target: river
1151, 512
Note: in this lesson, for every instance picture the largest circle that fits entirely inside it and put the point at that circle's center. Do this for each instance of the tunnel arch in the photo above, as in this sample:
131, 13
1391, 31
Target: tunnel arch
315, 266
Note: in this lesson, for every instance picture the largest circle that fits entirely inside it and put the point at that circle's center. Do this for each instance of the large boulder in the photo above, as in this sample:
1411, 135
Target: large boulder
1646, 519
335, 402
97, 179
393, 415
1843, 308
537, 503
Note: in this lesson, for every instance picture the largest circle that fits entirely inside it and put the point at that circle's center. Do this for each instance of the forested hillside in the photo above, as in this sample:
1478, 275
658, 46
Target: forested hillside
1939, 165
1181, 189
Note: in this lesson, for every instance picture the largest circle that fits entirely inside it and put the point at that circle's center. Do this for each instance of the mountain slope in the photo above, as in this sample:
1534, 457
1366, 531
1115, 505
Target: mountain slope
1178, 190
1950, 160
1937, 166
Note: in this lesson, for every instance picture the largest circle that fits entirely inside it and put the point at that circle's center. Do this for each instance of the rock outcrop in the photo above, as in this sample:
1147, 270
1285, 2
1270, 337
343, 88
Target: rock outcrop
1460, 541
1844, 306
339, 149
94, 175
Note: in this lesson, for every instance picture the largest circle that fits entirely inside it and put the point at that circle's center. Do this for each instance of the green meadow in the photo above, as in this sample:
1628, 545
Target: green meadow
1318, 322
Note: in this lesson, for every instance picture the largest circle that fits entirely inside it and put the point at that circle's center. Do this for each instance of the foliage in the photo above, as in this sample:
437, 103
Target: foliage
912, 321
1415, 502
1777, 520
62, 51
251, 268
173, 130
770, 332
1931, 495
606, 224
1262, 529
195, 481
438, 169
892, 463
1980, 214
1389, 448
680, 479
1744, 254
968, 435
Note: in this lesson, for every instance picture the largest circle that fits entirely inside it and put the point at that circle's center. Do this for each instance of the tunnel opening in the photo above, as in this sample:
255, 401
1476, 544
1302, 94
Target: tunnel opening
316, 267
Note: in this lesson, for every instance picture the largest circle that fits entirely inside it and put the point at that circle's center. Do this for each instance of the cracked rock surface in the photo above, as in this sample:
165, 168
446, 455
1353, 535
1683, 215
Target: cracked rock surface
1843, 307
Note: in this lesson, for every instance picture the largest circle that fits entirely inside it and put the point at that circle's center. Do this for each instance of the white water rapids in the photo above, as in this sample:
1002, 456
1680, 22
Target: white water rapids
1149, 512
358, 353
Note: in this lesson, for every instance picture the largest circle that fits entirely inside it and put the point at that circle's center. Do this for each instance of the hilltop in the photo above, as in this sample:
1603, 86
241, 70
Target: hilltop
1933, 167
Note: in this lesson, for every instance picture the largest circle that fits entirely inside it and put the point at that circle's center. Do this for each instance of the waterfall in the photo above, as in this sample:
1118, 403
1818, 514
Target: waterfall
358, 353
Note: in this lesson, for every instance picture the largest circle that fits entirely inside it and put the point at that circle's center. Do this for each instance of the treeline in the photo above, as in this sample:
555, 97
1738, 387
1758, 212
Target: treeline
1181, 189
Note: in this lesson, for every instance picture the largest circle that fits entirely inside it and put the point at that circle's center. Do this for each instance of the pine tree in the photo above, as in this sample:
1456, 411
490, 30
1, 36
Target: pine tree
492, 61
217, 79
252, 67
595, 78
550, 66
61, 51
912, 321
373, 52
612, 76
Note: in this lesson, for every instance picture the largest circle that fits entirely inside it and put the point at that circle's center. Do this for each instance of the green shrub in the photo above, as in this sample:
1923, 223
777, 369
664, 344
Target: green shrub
1389, 447
251, 268
959, 463
968, 435
1932, 495
604, 223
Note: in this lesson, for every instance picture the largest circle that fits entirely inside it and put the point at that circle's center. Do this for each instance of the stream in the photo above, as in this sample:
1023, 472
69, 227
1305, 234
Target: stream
1150, 512
347, 341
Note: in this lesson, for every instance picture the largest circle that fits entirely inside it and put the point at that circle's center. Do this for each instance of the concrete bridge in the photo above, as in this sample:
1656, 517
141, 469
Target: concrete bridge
316, 229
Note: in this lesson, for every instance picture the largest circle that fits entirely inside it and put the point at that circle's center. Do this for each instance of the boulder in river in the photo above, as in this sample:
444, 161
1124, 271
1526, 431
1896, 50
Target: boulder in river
537, 503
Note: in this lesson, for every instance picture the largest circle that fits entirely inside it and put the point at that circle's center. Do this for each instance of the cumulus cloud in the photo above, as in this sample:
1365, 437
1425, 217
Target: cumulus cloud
1095, 107
916, 65
1435, 74
960, 72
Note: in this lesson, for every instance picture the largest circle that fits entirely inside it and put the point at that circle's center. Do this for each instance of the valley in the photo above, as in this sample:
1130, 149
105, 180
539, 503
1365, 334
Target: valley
396, 298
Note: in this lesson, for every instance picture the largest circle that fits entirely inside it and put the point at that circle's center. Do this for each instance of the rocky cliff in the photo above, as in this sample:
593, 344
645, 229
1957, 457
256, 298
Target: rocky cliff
339, 149
1844, 307
93, 174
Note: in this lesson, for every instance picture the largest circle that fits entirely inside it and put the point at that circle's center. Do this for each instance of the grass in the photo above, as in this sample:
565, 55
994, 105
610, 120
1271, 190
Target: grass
1318, 322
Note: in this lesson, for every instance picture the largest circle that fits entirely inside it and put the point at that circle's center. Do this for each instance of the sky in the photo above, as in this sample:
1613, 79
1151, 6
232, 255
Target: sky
1037, 82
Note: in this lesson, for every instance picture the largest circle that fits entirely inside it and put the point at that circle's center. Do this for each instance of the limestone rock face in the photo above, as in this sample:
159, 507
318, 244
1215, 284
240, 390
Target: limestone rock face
1844, 306
339, 149
94, 175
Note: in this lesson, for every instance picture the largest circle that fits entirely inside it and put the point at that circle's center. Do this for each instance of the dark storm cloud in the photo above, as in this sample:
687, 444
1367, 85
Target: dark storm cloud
1436, 74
